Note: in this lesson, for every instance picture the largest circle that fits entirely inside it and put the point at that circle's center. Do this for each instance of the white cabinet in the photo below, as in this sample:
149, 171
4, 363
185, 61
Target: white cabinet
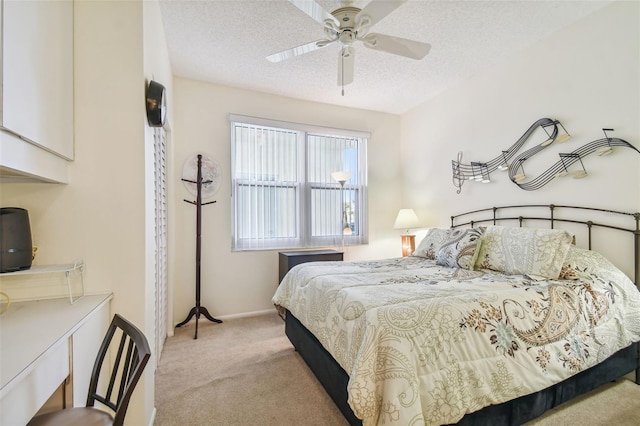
34, 389
43, 343
36, 115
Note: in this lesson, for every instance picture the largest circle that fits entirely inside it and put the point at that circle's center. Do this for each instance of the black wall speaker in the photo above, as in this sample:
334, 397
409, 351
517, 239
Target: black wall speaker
16, 250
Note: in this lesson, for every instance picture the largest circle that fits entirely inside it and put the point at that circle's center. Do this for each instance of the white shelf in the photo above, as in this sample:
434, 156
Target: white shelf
66, 269
49, 269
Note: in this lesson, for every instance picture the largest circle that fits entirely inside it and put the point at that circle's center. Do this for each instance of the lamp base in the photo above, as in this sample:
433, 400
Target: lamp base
408, 244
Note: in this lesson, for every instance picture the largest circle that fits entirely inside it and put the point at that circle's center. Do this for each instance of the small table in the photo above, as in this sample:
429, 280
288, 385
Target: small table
289, 259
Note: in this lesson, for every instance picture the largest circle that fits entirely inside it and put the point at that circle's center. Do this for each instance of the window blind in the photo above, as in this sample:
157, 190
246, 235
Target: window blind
282, 190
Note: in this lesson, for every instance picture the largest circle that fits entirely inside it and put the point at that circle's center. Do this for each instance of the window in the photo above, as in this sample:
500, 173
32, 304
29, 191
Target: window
283, 195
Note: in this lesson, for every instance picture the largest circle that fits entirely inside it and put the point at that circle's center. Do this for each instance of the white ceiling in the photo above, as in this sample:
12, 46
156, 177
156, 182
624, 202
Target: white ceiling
226, 41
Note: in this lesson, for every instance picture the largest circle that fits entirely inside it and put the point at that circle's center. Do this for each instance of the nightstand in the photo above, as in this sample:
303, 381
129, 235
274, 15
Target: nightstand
289, 259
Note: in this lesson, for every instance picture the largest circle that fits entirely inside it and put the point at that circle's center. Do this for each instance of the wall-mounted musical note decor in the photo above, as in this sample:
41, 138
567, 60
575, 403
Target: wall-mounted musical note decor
481, 171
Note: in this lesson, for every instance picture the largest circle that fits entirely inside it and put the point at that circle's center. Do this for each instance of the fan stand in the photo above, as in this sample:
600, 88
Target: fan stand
197, 310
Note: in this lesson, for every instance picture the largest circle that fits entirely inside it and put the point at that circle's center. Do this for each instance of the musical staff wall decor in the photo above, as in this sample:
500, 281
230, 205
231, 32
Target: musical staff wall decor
513, 163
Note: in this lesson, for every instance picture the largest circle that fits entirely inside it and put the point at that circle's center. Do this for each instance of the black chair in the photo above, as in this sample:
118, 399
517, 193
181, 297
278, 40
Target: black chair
123, 377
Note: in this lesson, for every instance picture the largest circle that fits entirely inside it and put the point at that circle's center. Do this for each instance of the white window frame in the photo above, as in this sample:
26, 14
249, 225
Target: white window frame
355, 189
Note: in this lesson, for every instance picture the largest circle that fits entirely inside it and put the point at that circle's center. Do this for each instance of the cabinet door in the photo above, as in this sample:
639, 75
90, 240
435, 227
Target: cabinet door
26, 397
86, 343
37, 72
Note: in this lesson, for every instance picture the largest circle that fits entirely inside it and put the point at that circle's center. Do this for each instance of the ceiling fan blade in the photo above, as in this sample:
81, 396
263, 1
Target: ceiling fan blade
376, 10
396, 45
345, 66
313, 9
298, 50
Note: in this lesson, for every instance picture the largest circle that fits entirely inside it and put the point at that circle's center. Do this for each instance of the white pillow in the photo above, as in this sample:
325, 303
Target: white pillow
528, 251
431, 243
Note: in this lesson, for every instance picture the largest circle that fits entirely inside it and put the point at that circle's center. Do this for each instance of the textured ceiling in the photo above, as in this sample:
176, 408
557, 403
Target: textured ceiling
226, 41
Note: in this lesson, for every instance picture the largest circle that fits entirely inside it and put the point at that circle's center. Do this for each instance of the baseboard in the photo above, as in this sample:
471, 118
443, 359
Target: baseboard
237, 316
153, 417
248, 314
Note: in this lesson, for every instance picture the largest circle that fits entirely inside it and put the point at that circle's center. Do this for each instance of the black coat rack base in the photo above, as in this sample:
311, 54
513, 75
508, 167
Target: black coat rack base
198, 310
195, 312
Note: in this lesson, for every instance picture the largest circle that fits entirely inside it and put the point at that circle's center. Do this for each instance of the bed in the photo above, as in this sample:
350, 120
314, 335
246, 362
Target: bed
464, 331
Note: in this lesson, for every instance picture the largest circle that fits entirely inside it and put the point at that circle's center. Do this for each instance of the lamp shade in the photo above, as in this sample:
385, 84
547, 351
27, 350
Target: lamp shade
406, 219
341, 177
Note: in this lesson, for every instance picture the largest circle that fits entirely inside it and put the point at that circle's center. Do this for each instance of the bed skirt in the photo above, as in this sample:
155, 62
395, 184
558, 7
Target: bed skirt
515, 412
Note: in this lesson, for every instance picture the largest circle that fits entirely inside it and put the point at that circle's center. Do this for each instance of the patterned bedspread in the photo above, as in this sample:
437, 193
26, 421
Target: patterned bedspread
425, 344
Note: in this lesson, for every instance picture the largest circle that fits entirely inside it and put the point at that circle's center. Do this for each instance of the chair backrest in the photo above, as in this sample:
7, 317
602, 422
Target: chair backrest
131, 358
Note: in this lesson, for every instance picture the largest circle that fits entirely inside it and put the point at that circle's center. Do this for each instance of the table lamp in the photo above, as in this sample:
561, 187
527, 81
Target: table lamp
407, 219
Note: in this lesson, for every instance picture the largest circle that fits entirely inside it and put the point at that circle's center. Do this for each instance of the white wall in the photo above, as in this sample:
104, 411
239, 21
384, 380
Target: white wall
101, 216
587, 76
244, 282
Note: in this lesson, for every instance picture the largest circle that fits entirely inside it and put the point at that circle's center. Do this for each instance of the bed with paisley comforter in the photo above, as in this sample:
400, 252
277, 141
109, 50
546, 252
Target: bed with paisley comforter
474, 318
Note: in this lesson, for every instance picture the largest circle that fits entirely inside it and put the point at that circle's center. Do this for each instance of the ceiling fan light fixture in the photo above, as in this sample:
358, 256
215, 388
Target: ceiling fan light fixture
347, 37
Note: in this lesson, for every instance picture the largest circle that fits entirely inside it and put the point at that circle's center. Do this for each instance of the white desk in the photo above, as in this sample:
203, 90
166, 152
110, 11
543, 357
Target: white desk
41, 344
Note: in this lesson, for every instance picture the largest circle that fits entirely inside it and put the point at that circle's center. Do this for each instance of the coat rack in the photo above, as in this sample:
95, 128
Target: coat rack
198, 309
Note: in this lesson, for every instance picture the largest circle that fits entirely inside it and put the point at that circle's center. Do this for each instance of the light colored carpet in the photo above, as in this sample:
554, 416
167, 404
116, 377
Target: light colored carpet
241, 372
245, 372
614, 404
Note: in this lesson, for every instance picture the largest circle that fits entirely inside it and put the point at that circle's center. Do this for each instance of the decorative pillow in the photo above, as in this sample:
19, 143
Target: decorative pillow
460, 248
528, 251
431, 243
580, 263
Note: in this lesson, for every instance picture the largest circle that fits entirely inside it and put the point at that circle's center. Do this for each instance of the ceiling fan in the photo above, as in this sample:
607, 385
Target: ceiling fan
349, 24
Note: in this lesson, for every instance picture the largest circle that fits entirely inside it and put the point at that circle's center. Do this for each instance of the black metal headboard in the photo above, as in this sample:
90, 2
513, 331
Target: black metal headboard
491, 216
